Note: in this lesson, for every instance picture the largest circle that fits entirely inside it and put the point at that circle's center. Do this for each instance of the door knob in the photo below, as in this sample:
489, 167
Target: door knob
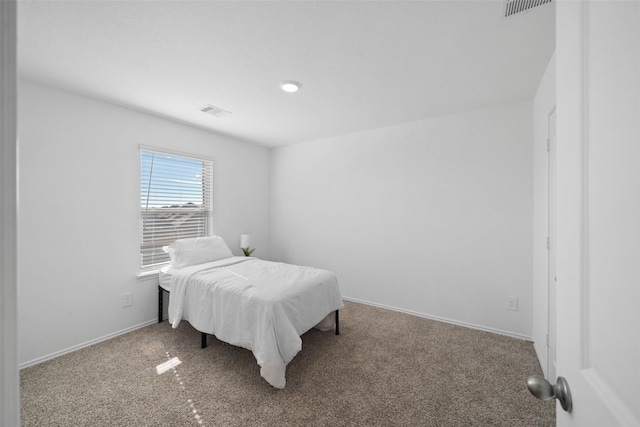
543, 390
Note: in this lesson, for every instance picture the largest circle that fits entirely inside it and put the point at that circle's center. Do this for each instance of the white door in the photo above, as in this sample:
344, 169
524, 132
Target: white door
598, 210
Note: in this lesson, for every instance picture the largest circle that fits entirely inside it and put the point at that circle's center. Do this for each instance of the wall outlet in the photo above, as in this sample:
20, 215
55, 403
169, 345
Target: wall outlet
127, 299
512, 303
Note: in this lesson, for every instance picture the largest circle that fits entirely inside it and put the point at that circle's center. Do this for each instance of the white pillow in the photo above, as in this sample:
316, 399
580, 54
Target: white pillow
197, 250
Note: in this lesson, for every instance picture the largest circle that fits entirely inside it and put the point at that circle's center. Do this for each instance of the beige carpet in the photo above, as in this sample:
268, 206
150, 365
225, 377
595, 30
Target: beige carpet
385, 369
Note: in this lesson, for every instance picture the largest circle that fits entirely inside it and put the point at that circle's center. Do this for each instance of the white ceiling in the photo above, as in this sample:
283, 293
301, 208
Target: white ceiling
362, 64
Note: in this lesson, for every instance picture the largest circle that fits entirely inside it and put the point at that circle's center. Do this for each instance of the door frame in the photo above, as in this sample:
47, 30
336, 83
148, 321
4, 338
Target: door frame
551, 248
9, 373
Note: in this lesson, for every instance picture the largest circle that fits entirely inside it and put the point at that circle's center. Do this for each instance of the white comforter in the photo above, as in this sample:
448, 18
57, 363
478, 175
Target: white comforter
259, 305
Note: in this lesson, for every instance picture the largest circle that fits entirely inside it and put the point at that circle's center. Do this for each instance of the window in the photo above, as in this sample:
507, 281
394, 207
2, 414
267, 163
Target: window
175, 202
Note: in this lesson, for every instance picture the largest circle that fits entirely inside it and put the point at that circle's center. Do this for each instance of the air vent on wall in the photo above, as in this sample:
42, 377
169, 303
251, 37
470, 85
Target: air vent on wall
215, 111
512, 7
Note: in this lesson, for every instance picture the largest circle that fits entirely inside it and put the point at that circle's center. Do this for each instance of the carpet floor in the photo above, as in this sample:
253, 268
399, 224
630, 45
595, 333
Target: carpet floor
385, 369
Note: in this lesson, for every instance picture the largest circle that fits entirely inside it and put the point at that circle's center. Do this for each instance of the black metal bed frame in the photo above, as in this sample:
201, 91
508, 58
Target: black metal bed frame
203, 335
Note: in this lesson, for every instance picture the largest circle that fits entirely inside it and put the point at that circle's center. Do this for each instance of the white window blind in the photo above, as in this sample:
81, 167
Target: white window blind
175, 202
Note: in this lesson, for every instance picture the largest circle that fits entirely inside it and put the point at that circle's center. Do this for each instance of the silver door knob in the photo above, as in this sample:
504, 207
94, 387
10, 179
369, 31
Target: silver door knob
543, 390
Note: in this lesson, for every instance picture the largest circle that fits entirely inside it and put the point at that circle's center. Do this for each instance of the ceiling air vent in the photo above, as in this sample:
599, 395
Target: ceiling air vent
513, 7
215, 111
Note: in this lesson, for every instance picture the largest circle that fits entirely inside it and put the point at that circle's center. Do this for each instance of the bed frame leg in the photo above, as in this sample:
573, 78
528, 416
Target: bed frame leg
337, 322
203, 340
159, 304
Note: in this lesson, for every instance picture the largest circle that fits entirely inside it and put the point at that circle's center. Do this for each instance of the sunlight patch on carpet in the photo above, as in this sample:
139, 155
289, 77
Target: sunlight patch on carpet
170, 365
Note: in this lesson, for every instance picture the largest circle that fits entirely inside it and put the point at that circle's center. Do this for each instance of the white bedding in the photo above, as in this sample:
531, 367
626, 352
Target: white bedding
259, 305
164, 277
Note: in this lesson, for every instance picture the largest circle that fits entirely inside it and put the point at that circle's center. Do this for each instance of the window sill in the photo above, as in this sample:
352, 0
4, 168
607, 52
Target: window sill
148, 275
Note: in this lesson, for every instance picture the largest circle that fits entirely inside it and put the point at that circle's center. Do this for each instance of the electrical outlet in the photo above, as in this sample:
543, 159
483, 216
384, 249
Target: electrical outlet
127, 299
512, 303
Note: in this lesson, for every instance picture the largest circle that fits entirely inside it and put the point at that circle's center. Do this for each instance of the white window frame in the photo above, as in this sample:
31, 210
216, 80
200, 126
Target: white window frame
154, 203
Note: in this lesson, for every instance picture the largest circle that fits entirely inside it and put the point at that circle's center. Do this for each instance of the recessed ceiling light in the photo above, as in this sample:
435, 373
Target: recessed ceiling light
290, 86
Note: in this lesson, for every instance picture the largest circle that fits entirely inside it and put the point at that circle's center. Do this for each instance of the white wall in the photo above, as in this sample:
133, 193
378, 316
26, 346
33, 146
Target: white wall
432, 217
79, 212
543, 103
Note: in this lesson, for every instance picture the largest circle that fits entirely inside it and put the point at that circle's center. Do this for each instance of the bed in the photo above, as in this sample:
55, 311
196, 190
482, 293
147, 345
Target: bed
259, 305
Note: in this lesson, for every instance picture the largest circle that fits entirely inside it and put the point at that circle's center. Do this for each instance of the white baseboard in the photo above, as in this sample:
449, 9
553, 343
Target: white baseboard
85, 344
443, 319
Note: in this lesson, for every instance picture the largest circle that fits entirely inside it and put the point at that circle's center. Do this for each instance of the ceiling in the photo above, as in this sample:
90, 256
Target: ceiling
362, 64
